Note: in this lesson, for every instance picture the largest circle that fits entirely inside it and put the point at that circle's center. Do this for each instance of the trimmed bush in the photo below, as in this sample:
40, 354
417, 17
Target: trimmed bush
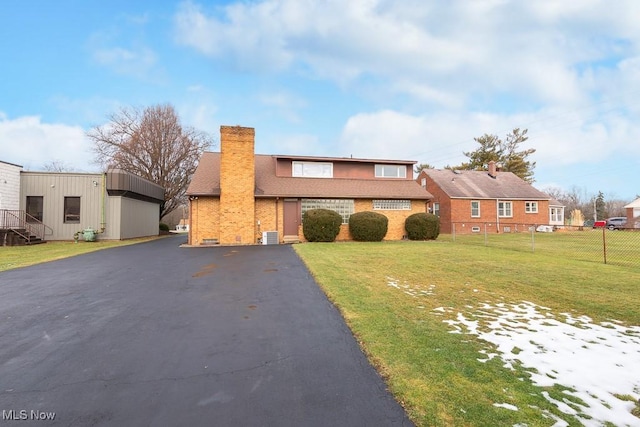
321, 225
422, 226
164, 227
368, 226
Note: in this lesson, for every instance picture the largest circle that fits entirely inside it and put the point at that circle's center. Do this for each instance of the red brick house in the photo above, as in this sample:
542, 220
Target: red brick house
469, 201
633, 214
239, 197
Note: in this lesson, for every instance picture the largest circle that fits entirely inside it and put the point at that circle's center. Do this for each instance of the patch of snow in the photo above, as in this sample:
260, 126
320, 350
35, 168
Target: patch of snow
506, 406
595, 361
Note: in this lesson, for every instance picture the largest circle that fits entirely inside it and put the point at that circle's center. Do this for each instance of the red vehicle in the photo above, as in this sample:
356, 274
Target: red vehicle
600, 224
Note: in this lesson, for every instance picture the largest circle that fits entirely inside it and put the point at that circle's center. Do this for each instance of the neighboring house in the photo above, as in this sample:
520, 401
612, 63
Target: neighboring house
56, 205
633, 214
9, 186
235, 196
469, 201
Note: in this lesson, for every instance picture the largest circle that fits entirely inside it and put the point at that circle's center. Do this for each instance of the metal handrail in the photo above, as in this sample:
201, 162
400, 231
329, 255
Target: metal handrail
16, 220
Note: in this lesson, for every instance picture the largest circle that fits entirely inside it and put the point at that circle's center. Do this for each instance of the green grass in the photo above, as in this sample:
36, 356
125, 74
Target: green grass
435, 374
23, 256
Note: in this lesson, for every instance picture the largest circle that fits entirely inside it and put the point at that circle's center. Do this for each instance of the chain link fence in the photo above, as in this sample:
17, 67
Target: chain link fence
615, 247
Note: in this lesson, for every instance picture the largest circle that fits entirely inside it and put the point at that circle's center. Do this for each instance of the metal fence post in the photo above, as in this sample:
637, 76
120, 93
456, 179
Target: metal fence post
604, 244
486, 236
533, 239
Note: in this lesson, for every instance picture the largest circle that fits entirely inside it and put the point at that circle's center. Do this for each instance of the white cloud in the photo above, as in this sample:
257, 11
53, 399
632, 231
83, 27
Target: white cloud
137, 61
560, 138
446, 51
29, 142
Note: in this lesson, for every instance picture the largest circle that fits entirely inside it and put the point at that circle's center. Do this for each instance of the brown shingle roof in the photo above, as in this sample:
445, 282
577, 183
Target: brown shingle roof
206, 182
479, 184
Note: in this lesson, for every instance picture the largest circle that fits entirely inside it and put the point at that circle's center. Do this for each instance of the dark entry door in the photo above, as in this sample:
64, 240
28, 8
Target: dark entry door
291, 217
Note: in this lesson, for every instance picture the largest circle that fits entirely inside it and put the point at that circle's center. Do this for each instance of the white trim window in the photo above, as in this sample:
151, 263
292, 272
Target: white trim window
345, 207
391, 171
505, 209
392, 205
312, 169
475, 209
436, 209
531, 207
556, 215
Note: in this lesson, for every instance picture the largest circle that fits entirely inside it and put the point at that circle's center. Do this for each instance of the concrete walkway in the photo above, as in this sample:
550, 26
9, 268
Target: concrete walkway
153, 334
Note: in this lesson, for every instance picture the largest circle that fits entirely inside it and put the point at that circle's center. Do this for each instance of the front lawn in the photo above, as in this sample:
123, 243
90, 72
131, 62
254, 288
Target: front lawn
433, 318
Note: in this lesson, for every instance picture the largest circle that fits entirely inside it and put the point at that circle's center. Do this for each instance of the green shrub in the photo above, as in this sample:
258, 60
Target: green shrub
164, 227
321, 225
368, 226
422, 226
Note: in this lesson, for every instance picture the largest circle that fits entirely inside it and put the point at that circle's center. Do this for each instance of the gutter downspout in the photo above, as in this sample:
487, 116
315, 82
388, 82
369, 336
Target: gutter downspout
103, 223
497, 216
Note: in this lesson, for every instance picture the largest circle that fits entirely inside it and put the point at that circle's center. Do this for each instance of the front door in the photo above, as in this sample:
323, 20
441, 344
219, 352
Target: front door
291, 217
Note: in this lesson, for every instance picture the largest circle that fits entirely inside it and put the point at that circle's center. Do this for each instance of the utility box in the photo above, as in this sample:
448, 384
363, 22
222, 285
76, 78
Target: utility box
269, 237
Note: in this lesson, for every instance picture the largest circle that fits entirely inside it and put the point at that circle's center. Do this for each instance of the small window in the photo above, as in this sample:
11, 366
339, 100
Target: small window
392, 205
312, 169
475, 209
475, 229
423, 182
531, 207
72, 210
436, 209
505, 209
391, 171
34, 208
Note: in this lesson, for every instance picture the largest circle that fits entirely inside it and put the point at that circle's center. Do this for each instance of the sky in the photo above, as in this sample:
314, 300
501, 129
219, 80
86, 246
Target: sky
590, 360
393, 79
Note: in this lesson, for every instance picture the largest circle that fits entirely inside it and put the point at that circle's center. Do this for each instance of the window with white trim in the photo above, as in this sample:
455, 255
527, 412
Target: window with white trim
392, 205
436, 209
391, 171
312, 169
556, 215
475, 209
531, 207
345, 207
505, 209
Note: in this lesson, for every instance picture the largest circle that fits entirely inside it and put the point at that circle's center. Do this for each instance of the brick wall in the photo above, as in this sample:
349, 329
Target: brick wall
204, 214
269, 213
395, 227
237, 185
461, 215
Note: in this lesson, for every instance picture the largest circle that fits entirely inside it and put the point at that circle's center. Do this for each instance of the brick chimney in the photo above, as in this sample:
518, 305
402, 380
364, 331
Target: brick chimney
237, 185
493, 170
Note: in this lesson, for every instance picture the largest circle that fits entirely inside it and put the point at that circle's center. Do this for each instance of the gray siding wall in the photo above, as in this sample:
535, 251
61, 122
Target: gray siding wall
54, 187
9, 186
138, 218
124, 218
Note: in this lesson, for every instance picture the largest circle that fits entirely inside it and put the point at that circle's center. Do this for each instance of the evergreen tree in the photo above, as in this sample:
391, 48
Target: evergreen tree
505, 153
600, 207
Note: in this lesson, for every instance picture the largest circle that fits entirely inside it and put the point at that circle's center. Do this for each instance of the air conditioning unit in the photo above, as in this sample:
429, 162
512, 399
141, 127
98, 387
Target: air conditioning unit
270, 238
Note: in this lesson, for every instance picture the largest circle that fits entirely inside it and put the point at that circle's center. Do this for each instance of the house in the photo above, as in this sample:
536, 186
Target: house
239, 197
633, 214
56, 205
469, 201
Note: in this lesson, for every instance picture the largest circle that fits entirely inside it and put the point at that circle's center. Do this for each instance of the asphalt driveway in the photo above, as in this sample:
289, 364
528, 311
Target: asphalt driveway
154, 334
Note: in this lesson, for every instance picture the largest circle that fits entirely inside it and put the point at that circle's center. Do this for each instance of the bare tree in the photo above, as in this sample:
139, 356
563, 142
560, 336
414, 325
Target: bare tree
57, 165
153, 144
